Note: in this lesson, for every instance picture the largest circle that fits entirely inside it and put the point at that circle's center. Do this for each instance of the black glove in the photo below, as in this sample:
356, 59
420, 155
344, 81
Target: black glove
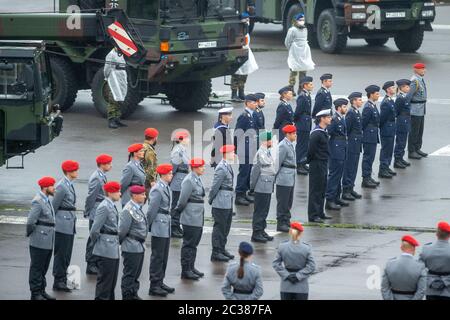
292, 278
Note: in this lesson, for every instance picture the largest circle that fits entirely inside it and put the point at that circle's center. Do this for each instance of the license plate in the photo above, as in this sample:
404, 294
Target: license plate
207, 44
396, 14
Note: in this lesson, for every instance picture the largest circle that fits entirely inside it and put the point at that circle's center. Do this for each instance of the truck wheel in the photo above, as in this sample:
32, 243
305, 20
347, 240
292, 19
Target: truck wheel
330, 41
293, 10
100, 90
409, 40
376, 42
189, 96
64, 82
312, 38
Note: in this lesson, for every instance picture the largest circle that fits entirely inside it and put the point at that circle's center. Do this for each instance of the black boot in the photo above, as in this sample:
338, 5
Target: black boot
219, 257
355, 194
234, 96
367, 183
157, 291
165, 287
112, 124
258, 237
422, 154
119, 123
406, 163
241, 94
47, 296
228, 254
414, 155
398, 164
377, 183
346, 195
265, 235
330, 205
198, 273
384, 174
241, 200
341, 203
37, 296
392, 172
61, 286
282, 227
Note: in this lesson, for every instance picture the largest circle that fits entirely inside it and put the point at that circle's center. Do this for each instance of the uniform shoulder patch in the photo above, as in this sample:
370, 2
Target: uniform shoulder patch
133, 213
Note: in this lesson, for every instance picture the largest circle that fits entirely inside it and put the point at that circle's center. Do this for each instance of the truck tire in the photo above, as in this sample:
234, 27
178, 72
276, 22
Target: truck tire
377, 42
99, 89
312, 37
65, 83
293, 10
330, 41
189, 96
409, 40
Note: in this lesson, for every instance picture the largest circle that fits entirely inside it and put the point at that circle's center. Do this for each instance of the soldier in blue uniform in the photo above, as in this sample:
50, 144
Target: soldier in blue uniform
403, 123
302, 119
387, 131
323, 100
221, 135
338, 149
370, 125
285, 114
354, 139
259, 114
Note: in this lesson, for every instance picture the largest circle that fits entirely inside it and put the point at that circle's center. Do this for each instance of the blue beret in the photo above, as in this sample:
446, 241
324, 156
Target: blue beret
339, 102
245, 248
284, 89
372, 88
244, 15
354, 95
402, 82
251, 97
260, 95
299, 16
306, 80
326, 76
388, 84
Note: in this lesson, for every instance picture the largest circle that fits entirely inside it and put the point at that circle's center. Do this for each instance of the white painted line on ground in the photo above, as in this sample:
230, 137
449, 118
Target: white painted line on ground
441, 26
442, 152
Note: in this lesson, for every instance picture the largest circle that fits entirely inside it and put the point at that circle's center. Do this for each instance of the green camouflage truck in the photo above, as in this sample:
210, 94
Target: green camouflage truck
181, 45
331, 22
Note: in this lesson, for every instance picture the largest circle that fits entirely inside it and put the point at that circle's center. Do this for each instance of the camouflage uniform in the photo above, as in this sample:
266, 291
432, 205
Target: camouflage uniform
150, 162
113, 108
293, 77
238, 81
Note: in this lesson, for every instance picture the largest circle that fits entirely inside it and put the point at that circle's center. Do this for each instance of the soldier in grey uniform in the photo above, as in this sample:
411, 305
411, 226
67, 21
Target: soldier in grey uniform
192, 208
243, 280
93, 199
41, 230
179, 159
262, 180
221, 200
285, 178
404, 277
66, 219
436, 257
133, 229
158, 216
105, 235
295, 264
133, 174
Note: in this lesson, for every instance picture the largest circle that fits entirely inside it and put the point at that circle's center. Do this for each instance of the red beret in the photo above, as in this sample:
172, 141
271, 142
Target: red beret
135, 147
297, 225
104, 159
45, 182
112, 187
410, 240
289, 128
70, 166
197, 162
151, 132
164, 168
227, 148
444, 226
137, 189
419, 65
180, 135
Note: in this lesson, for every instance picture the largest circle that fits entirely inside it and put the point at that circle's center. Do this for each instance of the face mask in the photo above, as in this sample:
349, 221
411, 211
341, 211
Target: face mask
301, 23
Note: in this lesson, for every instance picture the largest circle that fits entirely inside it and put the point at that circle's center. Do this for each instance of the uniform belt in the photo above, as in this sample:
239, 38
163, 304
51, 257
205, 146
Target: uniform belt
196, 201
404, 113
436, 273
242, 291
182, 171
139, 239
120, 68
67, 209
163, 211
45, 224
424, 101
339, 138
111, 233
226, 188
290, 166
265, 165
409, 293
292, 270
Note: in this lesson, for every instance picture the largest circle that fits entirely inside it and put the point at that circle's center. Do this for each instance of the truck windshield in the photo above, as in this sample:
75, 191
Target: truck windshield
16, 80
189, 9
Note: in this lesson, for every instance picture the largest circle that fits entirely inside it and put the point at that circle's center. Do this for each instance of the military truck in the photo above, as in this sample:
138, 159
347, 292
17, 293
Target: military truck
27, 120
331, 22
180, 46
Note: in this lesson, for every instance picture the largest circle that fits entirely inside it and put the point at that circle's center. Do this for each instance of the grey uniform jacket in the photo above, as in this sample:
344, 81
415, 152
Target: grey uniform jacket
179, 159
436, 257
158, 213
251, 282
405, 274
95, 193
286, 164
132, 174
42, 237
133, 228
191, 201
221, 192
64, 205
417, 96
262, 177
294, 257
106, 220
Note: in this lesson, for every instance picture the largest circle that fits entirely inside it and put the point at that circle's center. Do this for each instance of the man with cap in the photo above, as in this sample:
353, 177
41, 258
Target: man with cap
403, 124
133, 229
245, 141
104, 234
285, 177
64, 203
370, 125
222, 135
259, 114
318, 154
158, 216
41, 231
261, 182
404, 277
337, 131
417, 96
192, 208
133, 174
302, 119
294, 263
323, 100
221, 199
354, 140
285, 113
436, 257
150, 160
95, 195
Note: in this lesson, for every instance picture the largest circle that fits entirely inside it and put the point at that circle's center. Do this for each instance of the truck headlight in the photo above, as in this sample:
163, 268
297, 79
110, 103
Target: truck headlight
427, 13
359, 16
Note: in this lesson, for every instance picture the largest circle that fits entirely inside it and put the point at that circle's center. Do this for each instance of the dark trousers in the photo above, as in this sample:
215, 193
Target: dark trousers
334, 182
400, 144
386, 152
89, 257
416, 133
221, 228
285, 198
108, 270
132, 267
301, 148
175, 220
369, 152
243, 178
40, 261
437, 298
350, 170
260, 212
191, 240
158, 260
63, 254
317, 188
293, 296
